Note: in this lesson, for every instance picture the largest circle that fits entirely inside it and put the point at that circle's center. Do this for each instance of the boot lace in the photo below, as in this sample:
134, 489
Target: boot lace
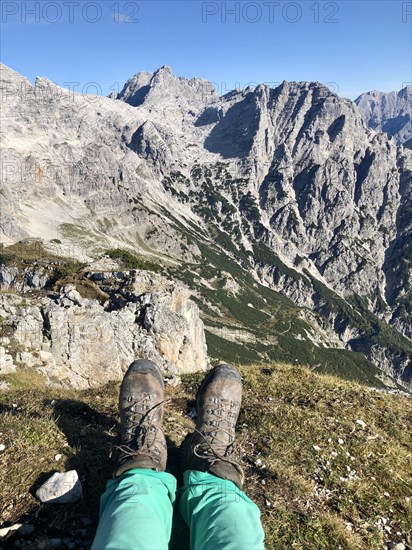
142, 436
214, 445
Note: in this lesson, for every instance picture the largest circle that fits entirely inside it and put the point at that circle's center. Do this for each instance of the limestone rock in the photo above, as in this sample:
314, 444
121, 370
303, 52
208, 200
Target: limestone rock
6, 362
80, 342
60, 488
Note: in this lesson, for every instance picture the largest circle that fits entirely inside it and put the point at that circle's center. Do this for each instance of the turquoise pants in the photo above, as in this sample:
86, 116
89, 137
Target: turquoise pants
136, 513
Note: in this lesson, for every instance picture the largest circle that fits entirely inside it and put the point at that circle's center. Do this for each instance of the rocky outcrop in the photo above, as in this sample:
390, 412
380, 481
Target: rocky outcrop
389, 112
80, 342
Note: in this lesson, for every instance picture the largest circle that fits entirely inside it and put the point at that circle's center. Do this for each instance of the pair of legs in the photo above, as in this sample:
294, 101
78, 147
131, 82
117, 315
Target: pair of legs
136, 509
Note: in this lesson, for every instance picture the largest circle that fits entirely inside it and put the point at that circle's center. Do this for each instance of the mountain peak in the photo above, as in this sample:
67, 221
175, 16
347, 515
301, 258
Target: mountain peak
164, 69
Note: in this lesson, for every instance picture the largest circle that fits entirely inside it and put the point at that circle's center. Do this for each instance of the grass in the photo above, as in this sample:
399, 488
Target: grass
321, 479
130, 260
24, 253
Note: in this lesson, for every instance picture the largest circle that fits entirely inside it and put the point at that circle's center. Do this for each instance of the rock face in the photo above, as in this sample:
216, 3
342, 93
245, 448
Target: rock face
82, 343
289, 183
389, 112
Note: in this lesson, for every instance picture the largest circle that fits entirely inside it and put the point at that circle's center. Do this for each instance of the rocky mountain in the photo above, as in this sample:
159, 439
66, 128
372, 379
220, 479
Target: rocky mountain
389, 112
82, 342
283, 212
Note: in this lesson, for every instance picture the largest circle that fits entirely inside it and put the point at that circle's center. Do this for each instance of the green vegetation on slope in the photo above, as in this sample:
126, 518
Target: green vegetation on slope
327, 461
130, 260
280, 332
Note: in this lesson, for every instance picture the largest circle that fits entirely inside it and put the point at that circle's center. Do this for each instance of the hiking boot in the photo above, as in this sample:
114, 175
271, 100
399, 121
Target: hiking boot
141, 402
211, 447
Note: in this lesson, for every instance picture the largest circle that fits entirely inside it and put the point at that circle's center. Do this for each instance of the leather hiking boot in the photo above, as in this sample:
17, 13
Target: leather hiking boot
141, 402
210, 448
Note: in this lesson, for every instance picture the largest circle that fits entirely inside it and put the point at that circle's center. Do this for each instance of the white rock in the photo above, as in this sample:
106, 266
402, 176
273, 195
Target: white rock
23, 529
2, 447
27, 358
360, 423
316, 448
174, 381
47, 357
7, 365
340, 441
61, 488
57, 457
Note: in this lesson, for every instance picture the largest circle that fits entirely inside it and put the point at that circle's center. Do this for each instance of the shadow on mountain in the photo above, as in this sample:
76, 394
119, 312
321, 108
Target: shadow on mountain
138, 97
396, 124
232, 136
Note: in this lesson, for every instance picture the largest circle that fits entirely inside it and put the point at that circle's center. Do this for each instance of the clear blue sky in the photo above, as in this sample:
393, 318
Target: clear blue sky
353, 45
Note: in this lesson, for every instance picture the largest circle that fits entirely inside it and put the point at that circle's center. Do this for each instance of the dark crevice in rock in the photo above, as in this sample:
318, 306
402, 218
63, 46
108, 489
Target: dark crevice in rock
362, 171
336, 127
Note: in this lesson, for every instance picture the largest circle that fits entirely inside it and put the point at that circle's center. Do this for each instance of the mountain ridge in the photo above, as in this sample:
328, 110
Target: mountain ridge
389, 112
297, 190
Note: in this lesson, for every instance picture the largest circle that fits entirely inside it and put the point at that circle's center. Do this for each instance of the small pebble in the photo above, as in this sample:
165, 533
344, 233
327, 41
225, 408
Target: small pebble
2, 447
340, 441
192, 414
173, 381
360, 423
57, 457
